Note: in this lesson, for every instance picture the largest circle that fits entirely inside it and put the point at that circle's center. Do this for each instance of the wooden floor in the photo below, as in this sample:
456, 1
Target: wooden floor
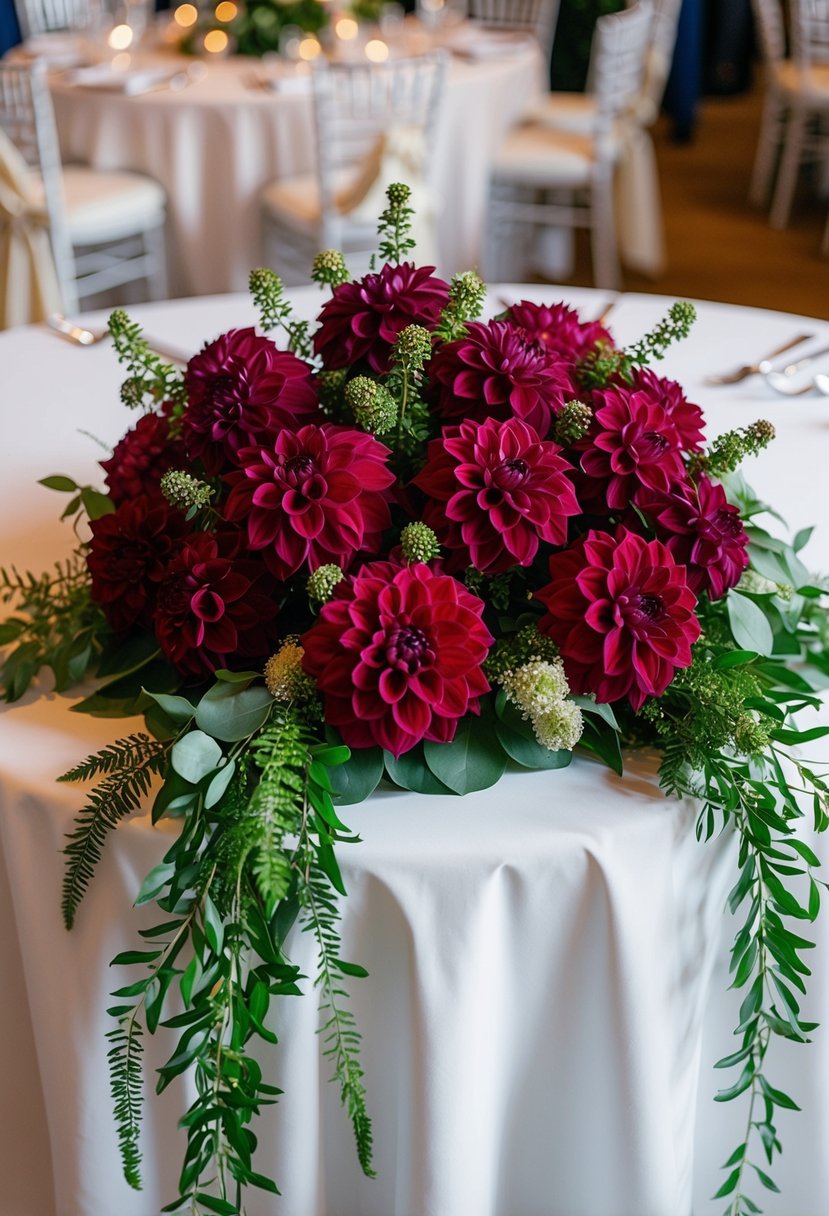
720, 248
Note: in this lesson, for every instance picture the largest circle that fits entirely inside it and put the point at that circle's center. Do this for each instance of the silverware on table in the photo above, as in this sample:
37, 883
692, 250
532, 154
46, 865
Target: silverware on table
785, 382
79, 336
761, 367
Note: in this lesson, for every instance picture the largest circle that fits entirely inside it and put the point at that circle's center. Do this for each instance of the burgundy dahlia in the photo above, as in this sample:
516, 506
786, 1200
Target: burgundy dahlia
497, 371
397, 656
622, 615
142, 457
214, 608
128, 553
558, 329
317, 495
703, 531
362, 320
685, 417
633, 443
495, 491
242, 391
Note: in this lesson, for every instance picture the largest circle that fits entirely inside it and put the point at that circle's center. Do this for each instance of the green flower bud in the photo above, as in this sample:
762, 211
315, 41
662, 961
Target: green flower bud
572, 423
329, 268
321, 584
412, 348
183, 490
372, 405
419, 543
398, 194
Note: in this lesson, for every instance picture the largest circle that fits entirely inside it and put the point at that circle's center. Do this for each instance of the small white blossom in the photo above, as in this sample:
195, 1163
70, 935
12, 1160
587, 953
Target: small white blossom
539, 688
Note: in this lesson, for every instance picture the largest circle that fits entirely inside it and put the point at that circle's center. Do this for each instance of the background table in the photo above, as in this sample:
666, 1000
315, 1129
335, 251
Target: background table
540, 954
216, 144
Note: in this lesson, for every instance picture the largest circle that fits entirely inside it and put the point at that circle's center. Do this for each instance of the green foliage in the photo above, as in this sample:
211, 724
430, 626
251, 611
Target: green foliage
395, 224
275, 311
730, 450
128, 765
602, 364
467, 292
150, 381
125, 1077
55, 625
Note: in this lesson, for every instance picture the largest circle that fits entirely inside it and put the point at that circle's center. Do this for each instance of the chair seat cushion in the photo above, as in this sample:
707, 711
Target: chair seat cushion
573, 112
103, 206
538, 156
812, 83
294, 202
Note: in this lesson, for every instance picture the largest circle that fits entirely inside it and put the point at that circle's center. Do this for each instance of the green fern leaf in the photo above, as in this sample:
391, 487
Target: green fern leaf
126, 1087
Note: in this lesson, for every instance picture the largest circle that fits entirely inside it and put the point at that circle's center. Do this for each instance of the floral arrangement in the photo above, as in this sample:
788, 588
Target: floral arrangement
257, 25
413, 546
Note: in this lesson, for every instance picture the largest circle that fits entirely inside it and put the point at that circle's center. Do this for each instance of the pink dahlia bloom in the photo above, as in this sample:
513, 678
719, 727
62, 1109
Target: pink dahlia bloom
633, 443
127, 556
496, 371
362, 320
241, 391
685, 417
141, 457
703, 531
558, 329
316, 496
397, 656
495, 491
621, 613
214, 608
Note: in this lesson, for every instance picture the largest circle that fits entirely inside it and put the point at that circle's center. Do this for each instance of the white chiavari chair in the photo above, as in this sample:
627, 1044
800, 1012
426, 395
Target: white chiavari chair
106, 228
375, 123
46, 16
547, 178
535, 17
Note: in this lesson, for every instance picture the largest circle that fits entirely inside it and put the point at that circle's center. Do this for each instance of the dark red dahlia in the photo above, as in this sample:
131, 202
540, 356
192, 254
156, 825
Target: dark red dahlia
495, 371
127, 555
141, 457
397, 656
495, 490
633, 443
558, 329
213, 607
621, 613
317, 495
703, 532
685, 417
241, 391
362, 320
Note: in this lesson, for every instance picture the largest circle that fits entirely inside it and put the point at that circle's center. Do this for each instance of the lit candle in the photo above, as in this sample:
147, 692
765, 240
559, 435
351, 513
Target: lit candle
376, 50
346, 28
186, 15
120, 37
309, 48
216, 42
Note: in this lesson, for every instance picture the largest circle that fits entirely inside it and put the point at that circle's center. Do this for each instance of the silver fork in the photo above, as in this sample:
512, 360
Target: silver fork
761, 367
79, 336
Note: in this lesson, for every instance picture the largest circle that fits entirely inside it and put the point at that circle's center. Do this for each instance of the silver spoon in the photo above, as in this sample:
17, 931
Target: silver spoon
782, 381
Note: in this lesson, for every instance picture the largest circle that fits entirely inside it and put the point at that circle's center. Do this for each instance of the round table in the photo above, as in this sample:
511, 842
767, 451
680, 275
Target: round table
540, 954
214, 145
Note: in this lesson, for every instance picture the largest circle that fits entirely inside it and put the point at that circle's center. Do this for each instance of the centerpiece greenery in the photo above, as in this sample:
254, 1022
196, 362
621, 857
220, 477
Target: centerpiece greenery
411, 546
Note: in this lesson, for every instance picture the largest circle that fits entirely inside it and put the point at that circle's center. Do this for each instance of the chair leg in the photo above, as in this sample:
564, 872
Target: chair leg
787, 177
156, 246
772, 122
606, 272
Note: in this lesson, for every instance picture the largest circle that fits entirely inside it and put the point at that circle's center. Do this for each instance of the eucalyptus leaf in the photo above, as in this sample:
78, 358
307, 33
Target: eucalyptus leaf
749, 624
218, 786
409, 771
232, 711
195, 755
474, 760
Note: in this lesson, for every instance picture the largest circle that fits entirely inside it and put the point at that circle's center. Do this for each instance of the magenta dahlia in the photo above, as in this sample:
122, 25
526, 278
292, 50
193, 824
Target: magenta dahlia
558, 329
622, 615
685, 417
317, 495
142, 457
213, 607
495, 490
633, 443
703, 531
127, 556
496, 371
242, 390
397, 656
362, 320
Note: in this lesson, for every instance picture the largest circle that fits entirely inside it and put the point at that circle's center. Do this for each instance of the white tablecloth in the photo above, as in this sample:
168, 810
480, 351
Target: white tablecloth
540, 954
216, 144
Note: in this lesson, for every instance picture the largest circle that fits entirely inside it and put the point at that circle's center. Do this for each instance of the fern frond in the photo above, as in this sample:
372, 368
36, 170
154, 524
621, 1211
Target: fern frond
276, 804
121, 754
111, 801
125, 1081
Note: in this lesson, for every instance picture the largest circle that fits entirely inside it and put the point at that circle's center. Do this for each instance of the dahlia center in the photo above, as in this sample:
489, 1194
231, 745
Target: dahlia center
408, 649
646, 607
175, 595
510, 474
728, 523
298, 470
653, 444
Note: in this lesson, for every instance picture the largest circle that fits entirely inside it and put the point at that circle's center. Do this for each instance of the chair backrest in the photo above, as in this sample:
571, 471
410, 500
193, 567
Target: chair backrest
355, 104
661, 48
27, 117
619, 55
810, 31
536, 17
44, 16
768, 17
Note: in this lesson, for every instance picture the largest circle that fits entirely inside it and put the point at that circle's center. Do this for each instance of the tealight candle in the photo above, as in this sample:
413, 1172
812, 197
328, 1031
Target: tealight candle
346, 28
226, 10
309, 48
120, 37
216, 42
376, 50
186, 15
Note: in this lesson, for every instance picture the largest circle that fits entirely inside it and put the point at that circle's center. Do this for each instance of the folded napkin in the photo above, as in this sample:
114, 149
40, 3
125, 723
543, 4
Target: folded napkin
59, 49
104, 78
476, 42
